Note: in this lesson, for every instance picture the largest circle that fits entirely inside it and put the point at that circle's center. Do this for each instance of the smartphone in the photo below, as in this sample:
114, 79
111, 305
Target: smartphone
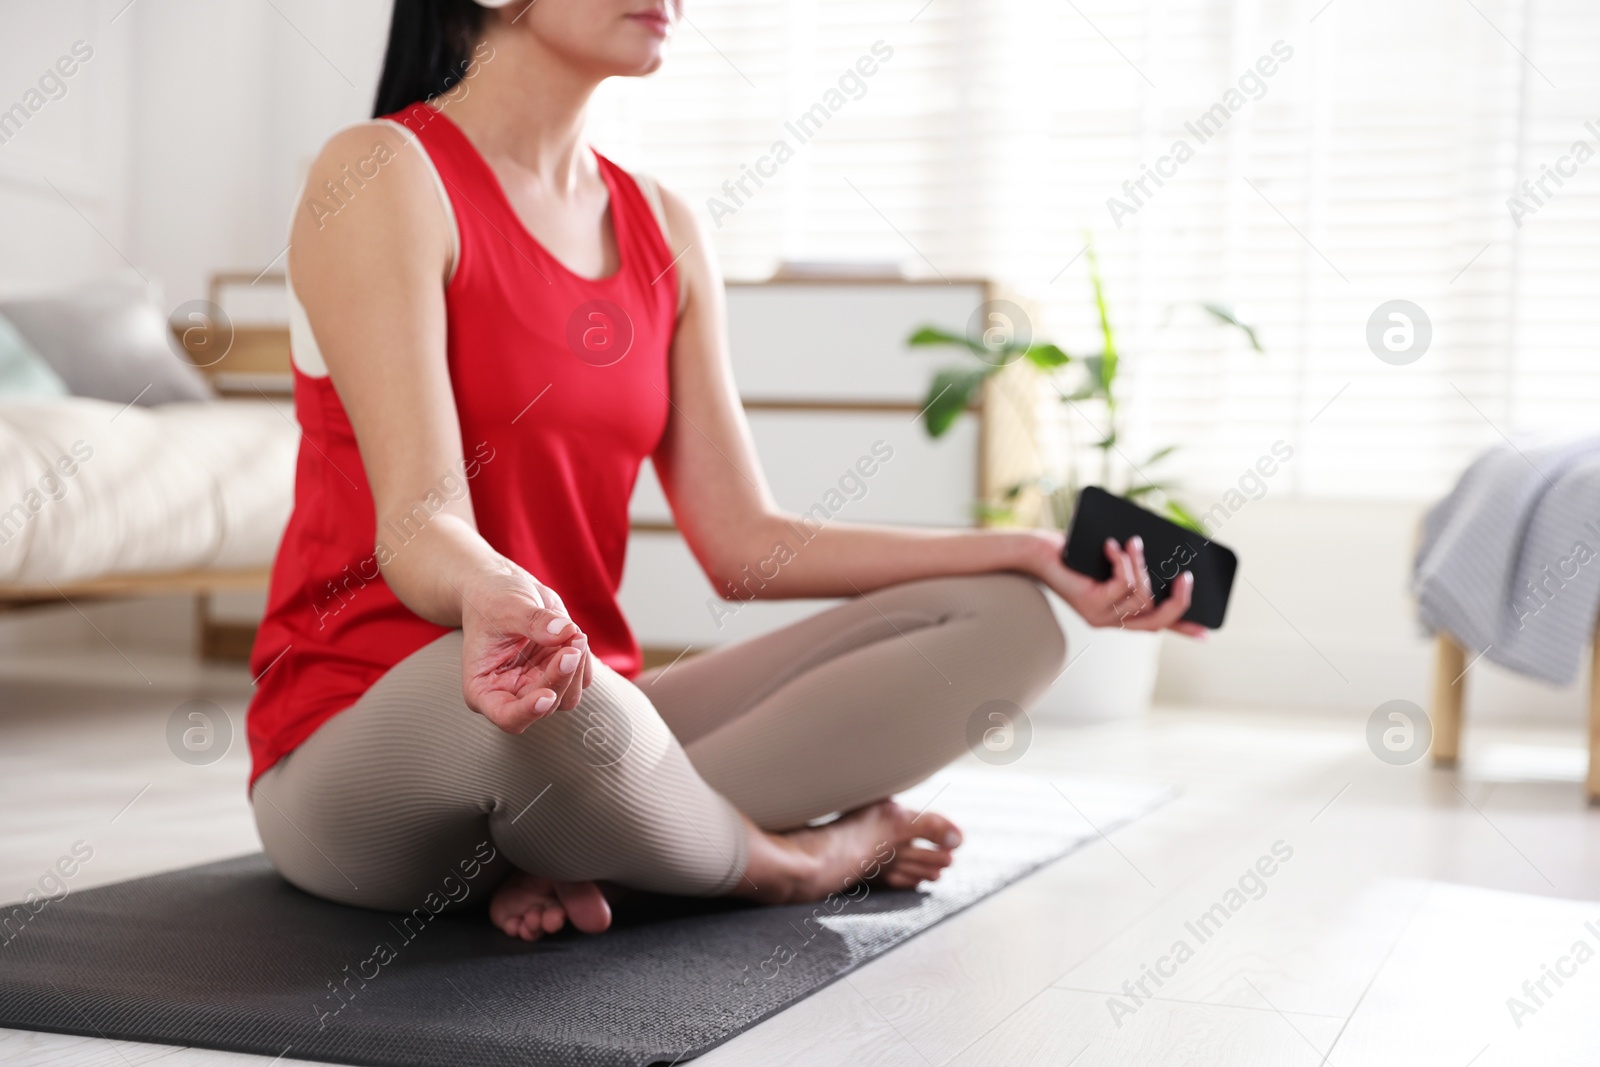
1169, 550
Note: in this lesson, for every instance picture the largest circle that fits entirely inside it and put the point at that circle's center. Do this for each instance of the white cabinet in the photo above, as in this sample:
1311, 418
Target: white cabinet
831, 391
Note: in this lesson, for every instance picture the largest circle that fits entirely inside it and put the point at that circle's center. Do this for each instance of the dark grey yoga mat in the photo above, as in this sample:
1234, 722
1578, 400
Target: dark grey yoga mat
229, 956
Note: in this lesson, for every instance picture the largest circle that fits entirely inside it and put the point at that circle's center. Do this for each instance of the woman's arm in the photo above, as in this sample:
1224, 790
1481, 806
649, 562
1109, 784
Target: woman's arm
748, 547
371, 277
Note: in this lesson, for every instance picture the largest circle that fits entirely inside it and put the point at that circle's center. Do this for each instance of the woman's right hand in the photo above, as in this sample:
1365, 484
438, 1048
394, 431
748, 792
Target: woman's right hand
522, 657
1126, 599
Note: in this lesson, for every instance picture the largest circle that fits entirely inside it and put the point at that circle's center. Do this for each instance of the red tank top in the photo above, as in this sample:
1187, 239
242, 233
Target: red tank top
560, 384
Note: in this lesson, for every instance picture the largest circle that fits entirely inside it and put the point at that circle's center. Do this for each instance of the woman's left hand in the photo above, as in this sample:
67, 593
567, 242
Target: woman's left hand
1125, 599
522, 656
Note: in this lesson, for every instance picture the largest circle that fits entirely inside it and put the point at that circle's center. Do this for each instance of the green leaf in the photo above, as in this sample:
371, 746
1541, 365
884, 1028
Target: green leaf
1227, 316
950, 394
932, 335
1134, 492
1182, 516
989, 513
1160, 454
1046, 356
1108, 363
1108, 441
1092, 386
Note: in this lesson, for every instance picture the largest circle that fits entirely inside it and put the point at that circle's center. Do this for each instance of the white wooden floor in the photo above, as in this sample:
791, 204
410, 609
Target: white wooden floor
1415, 903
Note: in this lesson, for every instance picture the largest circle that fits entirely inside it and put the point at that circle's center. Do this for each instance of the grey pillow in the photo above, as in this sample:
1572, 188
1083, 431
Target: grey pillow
107, 340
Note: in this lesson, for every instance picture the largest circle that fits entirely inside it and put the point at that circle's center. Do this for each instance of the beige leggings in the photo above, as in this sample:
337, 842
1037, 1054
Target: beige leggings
391, 799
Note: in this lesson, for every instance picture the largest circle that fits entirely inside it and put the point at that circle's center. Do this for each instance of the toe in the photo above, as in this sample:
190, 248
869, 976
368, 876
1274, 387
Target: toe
507, 921
554, 919
923, 873
928, 857
937, 830
902, 878
585, 905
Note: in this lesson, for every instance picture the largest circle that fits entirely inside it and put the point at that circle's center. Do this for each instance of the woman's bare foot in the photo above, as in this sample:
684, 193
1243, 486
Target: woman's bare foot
881, 842
529, 906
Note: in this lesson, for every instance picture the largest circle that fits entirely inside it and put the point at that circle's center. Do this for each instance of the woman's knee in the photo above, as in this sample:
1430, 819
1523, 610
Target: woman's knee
1018, 610
619, 800
613, 733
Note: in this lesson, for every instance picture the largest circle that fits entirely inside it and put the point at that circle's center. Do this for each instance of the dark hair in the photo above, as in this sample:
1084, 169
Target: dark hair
430, 47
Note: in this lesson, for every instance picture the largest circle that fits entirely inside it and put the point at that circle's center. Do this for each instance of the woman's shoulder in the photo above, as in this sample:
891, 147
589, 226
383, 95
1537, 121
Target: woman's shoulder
364, 149
369, 175
368, 198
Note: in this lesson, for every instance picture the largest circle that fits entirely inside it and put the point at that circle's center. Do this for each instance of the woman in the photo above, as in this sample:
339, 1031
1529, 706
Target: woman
492, 327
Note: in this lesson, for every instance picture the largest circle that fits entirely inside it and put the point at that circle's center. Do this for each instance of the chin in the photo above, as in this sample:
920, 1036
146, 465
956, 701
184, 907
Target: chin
649, 64
632, 62
610, 38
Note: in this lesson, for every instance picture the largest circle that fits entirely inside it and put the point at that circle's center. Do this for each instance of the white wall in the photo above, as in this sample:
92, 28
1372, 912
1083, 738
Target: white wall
182, 141
1321, 616
66, 155
233, 101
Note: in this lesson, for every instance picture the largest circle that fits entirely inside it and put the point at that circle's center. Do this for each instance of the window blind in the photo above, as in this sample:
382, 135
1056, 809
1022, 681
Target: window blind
1337, 156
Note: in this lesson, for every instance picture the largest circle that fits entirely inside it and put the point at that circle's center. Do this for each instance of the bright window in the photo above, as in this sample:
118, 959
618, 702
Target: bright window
1339, 156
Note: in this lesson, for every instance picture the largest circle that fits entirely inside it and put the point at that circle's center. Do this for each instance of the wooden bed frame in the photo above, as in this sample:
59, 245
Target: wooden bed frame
1449, 692
219, 640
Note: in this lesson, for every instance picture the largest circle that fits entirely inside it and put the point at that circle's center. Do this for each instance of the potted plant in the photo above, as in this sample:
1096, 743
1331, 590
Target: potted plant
1110, 672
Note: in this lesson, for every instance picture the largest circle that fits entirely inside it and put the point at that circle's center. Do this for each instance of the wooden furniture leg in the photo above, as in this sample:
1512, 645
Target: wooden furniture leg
228, 642
1593, 783
1449, 687
202, 615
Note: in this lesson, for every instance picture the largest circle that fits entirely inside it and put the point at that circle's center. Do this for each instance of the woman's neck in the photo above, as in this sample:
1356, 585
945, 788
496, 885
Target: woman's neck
525, 105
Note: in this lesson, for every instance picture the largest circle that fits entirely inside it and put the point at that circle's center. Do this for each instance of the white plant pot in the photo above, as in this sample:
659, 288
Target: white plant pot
1110, 674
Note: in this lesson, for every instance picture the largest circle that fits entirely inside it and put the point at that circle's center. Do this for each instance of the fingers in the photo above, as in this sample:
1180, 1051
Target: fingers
573, 667
1127, 592
557, 675
515, 712
552, 680
1104, 597
567, 663
1169, 613
553, 600
1127, 598
1141, 574
548, 627
566, 670
1121, 581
